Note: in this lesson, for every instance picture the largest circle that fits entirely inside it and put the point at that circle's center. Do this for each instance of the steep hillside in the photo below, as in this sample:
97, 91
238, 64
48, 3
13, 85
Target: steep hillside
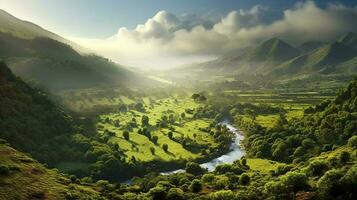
27, 30
260, 59
310, 46
322, 60
350, 39
324, 127
22, 177
31, 122
47, 63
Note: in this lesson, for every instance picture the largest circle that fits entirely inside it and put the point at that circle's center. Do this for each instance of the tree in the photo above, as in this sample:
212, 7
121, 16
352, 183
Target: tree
175, 194
4, 170
328, 184
170, 134
154, 139
223, 195
194, 168
244, 179
145, 120
152, 150
165, 147
244, 161
196, 186
352, 142
317, 168
195, 96
295, 181
183, 115
344, 157
126, 135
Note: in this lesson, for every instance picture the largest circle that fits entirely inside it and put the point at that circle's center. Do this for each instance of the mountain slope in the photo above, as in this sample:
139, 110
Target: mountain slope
349, 39
22, 177
27, 30
260, 59
31, 122
47, 63
321, 60
310, 46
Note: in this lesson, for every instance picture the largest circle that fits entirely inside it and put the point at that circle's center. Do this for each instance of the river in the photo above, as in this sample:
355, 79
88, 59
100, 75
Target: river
235, 153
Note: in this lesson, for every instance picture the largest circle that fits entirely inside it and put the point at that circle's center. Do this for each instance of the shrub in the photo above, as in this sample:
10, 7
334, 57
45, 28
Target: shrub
165, 147
194, 168
344, 157
126, 135
170, 134
222, 195
244, 179
317, 168
152, 150
295, 181
328, 183
196, 186
175, 194
157, 193
352, 142
207, 178
154, 139
4, 170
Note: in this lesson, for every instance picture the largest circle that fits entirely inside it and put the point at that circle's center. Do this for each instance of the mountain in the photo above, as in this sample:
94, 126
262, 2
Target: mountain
349, 39
322, 60
310, 46
47, 63
27, 30
259, 59
30, 121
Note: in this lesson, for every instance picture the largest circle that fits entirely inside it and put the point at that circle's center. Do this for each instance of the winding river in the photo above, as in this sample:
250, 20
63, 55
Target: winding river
235, 152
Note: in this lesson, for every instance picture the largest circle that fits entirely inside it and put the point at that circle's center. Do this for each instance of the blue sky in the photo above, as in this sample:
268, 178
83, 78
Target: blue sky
102, 18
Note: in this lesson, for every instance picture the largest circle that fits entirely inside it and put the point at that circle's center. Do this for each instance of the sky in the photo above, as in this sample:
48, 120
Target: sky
167, 33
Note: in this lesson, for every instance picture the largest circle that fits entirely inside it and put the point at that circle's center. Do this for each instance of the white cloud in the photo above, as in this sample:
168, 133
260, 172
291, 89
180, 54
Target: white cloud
166, 40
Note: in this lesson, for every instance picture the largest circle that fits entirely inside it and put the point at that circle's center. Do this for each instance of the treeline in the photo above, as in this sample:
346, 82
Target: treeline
323, 128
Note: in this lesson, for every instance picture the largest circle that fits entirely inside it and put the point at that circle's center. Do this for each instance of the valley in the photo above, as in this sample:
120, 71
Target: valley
275, 119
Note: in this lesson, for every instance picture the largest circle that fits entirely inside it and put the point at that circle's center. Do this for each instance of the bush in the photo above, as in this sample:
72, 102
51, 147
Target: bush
222, 195
207, 178
196, 186
328, 184
126, 135
152, 150
317, 168
157, 193
194, 168
4, 170
295, 181
170, 134
244, 179
154, 139
175, 194
344, 157
165, 147
352, 142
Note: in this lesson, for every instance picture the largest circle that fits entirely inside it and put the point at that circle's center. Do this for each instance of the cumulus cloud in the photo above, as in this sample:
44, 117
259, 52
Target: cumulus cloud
166, 40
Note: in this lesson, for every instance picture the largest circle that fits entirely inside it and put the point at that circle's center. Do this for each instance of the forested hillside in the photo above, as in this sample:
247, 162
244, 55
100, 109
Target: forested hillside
323, 128
46, 63
31, 122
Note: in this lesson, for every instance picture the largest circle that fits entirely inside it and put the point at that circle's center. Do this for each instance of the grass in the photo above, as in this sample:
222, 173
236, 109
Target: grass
262, 165
139, 145
31, 180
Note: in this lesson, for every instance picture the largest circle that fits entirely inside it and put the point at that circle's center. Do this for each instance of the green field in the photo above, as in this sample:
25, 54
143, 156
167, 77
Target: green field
139, 145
